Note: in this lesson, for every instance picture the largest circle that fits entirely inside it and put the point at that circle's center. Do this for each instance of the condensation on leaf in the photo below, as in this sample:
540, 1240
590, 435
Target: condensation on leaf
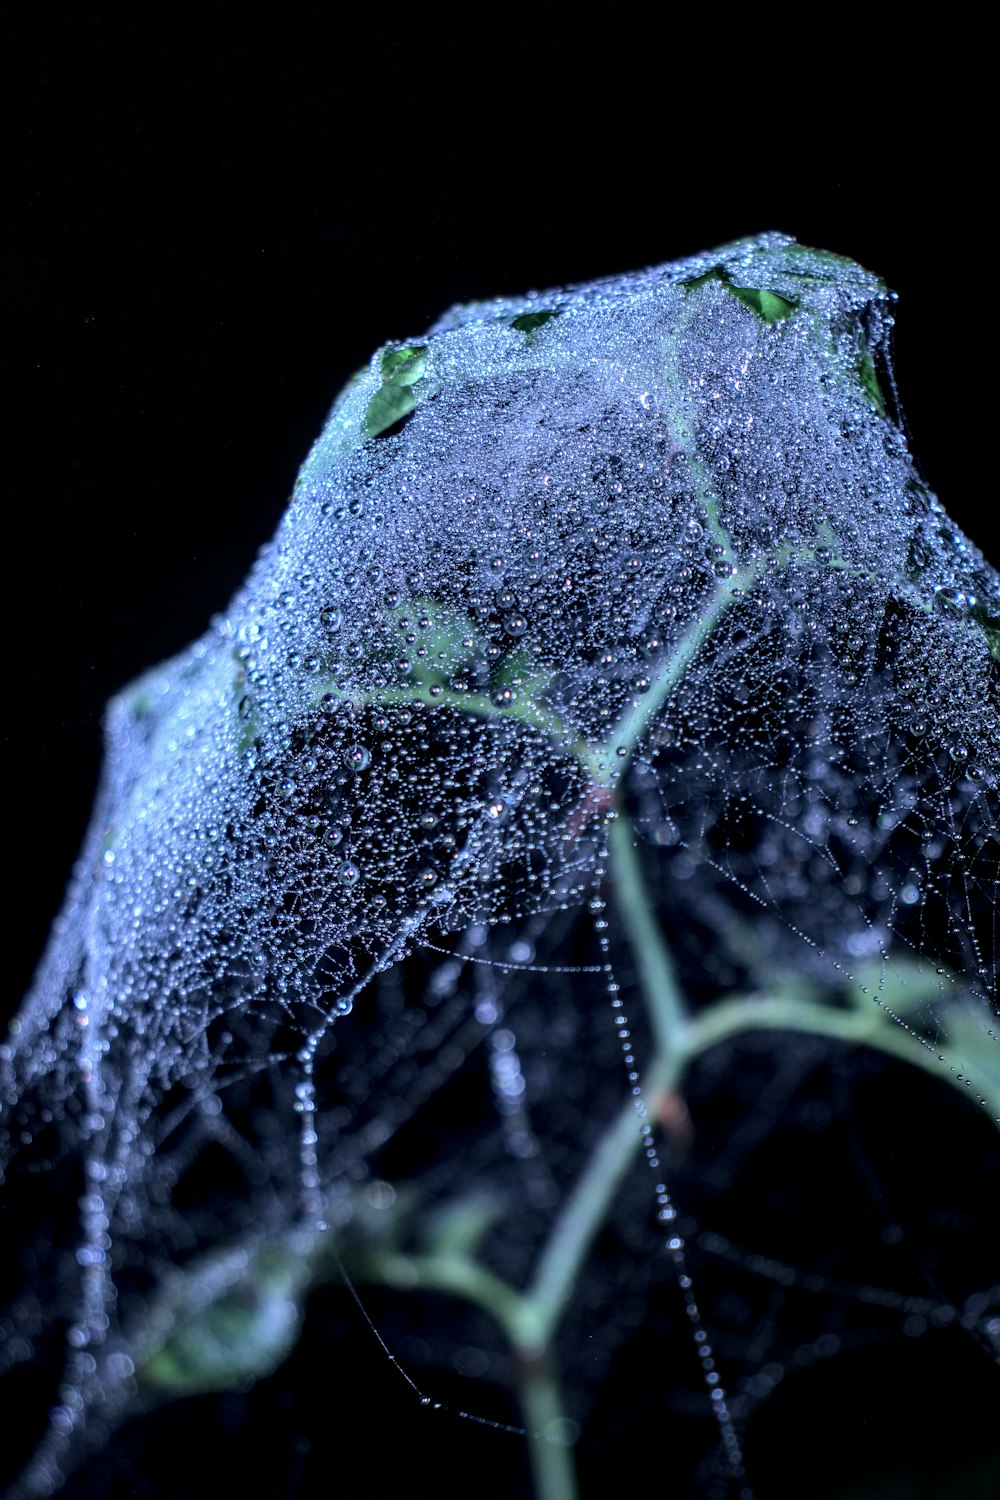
528, 322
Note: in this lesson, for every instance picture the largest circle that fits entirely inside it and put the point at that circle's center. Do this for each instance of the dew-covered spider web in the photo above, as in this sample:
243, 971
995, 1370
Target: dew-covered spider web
559, 895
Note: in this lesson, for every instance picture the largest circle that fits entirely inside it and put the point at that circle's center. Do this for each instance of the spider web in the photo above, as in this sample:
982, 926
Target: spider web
638, 566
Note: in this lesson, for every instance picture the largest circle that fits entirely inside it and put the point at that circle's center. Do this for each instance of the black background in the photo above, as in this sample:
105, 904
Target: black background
209, 232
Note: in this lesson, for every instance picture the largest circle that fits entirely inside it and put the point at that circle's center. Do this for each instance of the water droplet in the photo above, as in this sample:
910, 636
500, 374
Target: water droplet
951, 601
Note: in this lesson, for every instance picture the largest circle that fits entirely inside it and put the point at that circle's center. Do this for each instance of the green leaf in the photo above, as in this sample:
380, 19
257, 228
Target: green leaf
869, 380
389, 404
516, 670
767, 305
694, 282
458, 1229
971, 1048
987, 617
237, 1337
528, 322
903, 986
404, 366
444, 633
770, 306
401, 369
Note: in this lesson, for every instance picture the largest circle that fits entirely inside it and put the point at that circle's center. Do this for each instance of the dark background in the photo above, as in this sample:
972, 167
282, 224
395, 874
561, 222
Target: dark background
208, 232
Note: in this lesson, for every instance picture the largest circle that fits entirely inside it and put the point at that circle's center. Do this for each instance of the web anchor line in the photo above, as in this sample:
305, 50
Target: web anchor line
667, 1211
514, 968
407, 1378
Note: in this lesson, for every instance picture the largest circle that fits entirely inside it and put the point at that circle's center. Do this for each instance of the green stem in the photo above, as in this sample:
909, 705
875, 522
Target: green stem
553, 1468
524, 710
669, 673
586, 1209
461, 1276
868, 1027
607, 762
527, 1325
657, 977
604, 762
675, 415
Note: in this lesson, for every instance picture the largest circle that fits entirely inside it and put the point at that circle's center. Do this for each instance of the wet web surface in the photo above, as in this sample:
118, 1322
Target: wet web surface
601, 763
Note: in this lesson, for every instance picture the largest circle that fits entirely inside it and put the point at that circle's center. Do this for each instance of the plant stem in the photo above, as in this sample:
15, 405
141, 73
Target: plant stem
524, 710
868, 1027
527, 1322
607, 762
586, 1209
553, 1468
461, 1276
657, 977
